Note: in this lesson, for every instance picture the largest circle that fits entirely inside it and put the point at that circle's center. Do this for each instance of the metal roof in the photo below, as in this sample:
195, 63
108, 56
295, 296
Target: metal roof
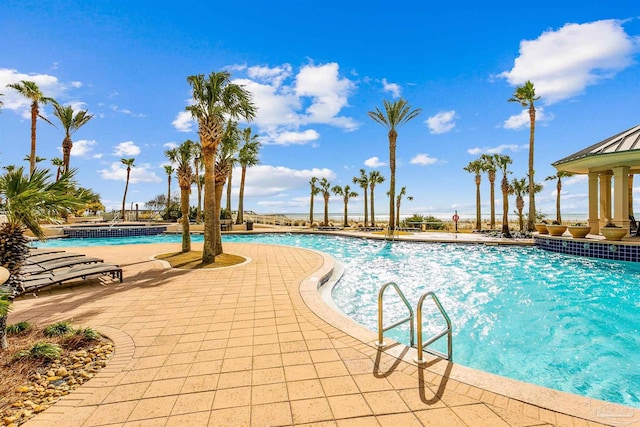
629, 140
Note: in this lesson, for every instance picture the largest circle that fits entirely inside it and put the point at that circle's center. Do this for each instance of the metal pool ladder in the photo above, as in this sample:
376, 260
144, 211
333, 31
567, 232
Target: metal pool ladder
421, 345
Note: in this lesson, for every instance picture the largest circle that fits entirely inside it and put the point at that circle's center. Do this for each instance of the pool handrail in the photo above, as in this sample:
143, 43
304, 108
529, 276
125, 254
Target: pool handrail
447, 331
381, 328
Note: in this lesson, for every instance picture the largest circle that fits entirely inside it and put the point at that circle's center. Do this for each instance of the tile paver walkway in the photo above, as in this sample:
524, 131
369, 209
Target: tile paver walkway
240, 346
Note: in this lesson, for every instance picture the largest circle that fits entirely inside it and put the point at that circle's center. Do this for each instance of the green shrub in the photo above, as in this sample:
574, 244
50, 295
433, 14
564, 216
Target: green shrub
58, 329
16, 328
87, 334
433, 223
41, 350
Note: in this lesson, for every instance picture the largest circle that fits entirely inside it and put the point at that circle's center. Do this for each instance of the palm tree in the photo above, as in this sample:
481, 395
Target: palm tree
395, 114
476, 167
197, 177
182, 157
214, 99
314, 192
363, 182
247, 157
325, 187
31, 91
374, 178
526, 96
519, 187
37, 160
169, 171
129, 164
70, 123
502, 162
401, 194
59, 164
225, 159
346, 194
558, 176
490, 168
29, 200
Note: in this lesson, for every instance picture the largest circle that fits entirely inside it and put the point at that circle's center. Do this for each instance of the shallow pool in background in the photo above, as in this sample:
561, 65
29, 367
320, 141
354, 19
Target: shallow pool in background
559, 321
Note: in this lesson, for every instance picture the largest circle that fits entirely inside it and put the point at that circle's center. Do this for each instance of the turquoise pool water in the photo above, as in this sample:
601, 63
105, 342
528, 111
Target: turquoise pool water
563, 322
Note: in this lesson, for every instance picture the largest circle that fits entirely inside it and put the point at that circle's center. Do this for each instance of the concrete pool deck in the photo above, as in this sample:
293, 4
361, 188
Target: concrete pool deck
255, 345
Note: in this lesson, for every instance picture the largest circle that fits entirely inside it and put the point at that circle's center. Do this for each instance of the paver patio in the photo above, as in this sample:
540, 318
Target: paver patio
243, 346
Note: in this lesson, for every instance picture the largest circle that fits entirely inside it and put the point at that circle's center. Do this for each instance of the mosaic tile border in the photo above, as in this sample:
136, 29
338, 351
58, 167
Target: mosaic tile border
618, 251
105, 232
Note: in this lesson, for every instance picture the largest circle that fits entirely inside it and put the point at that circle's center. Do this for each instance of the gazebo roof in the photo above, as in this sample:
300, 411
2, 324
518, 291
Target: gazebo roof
622, 149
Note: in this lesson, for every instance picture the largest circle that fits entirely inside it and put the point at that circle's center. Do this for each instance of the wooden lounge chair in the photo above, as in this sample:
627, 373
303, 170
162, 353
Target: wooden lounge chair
47, 266
43, 251
37, 259
36, 282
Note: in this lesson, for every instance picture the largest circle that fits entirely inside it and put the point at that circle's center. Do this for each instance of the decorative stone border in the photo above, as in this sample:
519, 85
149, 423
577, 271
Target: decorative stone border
615, 250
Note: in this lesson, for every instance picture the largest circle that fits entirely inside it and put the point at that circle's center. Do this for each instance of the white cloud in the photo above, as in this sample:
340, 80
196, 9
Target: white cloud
274, 76
293, 138
393, 88
442, 122
497, 150
269, 181
423, 159
170, 145
76, 84
183, 122
521, 121
84, 148
125, 111
127, 148
562, 63
374, 162
139, 173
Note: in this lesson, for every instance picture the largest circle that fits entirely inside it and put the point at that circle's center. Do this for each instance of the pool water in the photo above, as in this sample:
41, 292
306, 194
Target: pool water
563, 322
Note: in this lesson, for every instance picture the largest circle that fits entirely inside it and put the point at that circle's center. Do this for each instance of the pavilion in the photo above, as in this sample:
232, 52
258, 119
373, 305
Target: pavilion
617, 157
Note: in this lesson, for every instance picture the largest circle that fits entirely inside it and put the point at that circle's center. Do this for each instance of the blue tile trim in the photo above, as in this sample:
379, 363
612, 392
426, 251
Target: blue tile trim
618, 251
104, 232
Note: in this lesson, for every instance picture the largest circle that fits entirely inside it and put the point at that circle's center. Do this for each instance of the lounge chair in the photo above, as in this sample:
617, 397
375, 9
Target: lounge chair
634, 229
36, 282
37, 259
48, 266
43, 251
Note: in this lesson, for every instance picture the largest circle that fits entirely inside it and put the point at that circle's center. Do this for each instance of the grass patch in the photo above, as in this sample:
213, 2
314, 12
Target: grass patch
193, 260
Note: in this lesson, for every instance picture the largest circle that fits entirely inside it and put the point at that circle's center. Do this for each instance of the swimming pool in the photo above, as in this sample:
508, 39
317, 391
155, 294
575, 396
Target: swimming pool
558, 321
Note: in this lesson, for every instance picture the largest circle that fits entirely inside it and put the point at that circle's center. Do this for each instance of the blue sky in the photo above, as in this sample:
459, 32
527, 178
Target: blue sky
315, 70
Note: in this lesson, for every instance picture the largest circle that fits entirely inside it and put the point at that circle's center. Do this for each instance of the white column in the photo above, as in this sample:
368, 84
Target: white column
621, 196
593, 203
605, 198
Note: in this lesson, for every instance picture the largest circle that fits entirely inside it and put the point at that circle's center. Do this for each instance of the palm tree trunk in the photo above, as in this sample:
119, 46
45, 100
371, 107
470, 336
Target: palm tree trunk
169, 195
478, 209
218, 235
126, 188
345, 222
229, 190
373, 216
208, 248
558, 189
532, 199
492, 181
34, 118
3, 333
199, 188
66, 152
326, 211
240, 217
366, 217
184, 207
392, 180
505, 207
520, 207
311, 210
398, 212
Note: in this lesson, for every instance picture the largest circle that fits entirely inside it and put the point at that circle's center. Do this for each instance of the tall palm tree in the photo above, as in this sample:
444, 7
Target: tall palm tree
363, 182
70, 124
401, 194
129, 164
375, 177
31, 91
182, 156
247, 157
346, 194
225, 159
502, 162
214, 99
314, 192
29, 200
37, 160
476, 167
169, 171
396, 113
197, 177
325, 189
490, 167
519, 187
558, 177
59, 164
526, 96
